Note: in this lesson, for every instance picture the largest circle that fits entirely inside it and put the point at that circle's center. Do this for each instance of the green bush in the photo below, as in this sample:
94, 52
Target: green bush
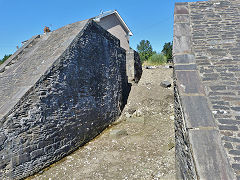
158, 59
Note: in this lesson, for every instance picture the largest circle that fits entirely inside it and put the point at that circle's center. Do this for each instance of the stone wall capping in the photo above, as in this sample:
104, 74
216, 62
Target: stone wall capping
192, 94
6, 107
186, 58
20, 92
209, 156
197, 126
182, 44
182, 29
181, 18
181, 9
185, 67
14, 56
188, 82
197, 112
181, 3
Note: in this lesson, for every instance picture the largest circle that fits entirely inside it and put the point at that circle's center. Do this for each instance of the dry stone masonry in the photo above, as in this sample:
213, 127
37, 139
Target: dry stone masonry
207, 72
58, 92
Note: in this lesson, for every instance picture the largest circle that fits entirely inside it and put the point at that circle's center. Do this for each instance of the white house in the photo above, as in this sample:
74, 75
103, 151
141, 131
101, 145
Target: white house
113, 23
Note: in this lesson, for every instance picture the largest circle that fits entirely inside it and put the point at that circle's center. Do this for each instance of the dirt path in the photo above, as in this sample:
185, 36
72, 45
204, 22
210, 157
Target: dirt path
140, 145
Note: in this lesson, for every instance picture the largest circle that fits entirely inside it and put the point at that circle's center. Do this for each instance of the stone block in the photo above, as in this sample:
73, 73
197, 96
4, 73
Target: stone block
181, 19
15, 160
184, 59
181, 9
236, 108
227, 127
228, 145
165, 84
197, 112
189, 82
36, 153
210, 76
217, 52
210, 158
234, 152
185, 67
221, 107
23, 158
182, 29
228, 121
181, 44
231, 139
218, 88
236, 167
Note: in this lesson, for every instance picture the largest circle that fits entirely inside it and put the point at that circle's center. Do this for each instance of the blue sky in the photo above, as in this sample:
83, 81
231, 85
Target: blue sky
21, 19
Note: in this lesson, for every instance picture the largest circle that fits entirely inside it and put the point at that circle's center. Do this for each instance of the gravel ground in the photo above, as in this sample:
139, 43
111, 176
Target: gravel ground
139, 145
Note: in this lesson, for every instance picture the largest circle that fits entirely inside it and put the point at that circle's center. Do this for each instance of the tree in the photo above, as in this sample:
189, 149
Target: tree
167, 50
145, 50
5, 58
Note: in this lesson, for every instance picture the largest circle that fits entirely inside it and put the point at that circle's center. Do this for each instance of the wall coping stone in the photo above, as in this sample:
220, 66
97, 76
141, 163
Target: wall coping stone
210, 159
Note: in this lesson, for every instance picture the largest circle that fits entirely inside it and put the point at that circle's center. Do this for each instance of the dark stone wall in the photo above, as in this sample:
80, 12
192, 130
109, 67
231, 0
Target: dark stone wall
79, 96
